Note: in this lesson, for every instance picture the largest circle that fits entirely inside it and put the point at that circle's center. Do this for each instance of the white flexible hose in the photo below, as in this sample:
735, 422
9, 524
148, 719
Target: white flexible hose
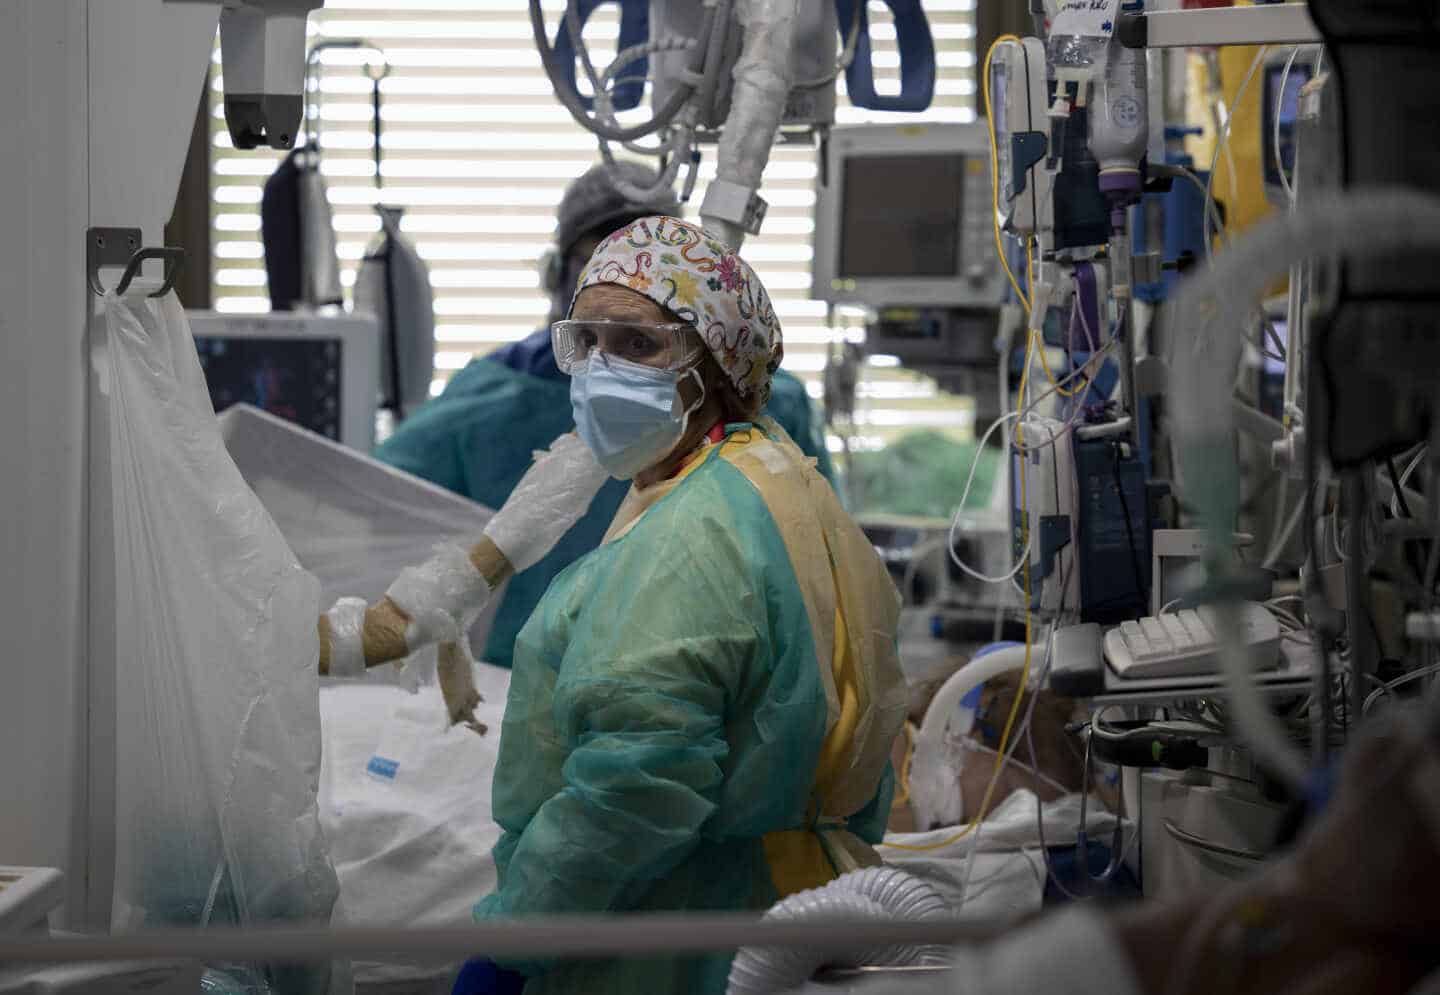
876, 893
1207, 320
762, 83
935, 771
965, 680
900, 893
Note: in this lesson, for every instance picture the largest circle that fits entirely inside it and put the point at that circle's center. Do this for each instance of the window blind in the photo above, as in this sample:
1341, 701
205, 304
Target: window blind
478, 150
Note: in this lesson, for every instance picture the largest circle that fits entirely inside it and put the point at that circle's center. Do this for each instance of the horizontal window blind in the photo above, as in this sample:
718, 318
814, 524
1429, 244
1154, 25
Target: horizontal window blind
478, 151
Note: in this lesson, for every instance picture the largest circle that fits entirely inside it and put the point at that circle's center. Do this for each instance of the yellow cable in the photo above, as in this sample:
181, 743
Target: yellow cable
1025, 670
1045, 365
904, 776
995, 172
1044, 359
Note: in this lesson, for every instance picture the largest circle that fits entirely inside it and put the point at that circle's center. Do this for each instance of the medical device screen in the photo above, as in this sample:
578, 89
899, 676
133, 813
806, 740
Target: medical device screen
297, 379
901, 215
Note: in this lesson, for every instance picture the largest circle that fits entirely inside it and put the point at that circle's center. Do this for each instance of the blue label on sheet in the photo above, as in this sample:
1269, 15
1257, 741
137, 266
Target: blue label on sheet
381, 767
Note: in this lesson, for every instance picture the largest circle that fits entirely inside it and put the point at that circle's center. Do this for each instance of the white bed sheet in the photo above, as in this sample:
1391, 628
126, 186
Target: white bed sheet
413, 850
1008, 878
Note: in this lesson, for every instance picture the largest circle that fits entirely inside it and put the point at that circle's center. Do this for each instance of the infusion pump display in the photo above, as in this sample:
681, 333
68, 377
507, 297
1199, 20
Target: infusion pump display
904, 217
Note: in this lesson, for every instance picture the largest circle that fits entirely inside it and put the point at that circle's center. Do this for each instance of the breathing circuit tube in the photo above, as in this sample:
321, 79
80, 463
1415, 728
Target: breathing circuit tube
876, 893
1207, 318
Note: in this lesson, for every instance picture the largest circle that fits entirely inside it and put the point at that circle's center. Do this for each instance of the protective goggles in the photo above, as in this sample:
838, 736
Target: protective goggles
672, 346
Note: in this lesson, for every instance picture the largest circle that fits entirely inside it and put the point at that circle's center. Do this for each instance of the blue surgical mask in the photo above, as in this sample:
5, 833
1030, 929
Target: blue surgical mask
629, 414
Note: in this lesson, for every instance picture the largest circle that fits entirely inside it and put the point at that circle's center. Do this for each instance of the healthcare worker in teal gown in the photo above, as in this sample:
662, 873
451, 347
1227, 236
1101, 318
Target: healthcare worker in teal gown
478, 436
702, 709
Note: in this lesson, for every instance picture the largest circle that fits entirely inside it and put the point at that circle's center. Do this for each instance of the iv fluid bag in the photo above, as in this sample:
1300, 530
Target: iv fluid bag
1079, 39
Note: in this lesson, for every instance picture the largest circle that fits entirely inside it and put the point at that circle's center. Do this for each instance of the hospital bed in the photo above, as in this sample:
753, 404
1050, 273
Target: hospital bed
405, 798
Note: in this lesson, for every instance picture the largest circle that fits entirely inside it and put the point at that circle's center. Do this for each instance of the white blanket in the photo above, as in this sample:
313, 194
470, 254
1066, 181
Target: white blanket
412, 849
1009, 873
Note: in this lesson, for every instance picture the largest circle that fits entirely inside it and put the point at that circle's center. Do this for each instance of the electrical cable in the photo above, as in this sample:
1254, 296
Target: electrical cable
1399, 488
1129, 528
1122, 851
568, 97
1224, 138
1268, 327
1029, 644
1040, 828
1082, 836
904, 774
1420, 453
964, 500
1277, 546
994, 169
612, 77
1096, 361
1212, 211
1004, 756
1083, 373
1279, 107
1090, 338
847, 55
1388, 688
1023, 448
1281, 614
1045, 365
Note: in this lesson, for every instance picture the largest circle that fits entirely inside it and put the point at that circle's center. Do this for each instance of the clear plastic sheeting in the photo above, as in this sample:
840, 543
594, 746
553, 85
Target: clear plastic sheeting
217, 716
354, 522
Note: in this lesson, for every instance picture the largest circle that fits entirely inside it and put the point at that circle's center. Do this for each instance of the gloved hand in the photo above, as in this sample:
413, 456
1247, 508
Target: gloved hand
485, 977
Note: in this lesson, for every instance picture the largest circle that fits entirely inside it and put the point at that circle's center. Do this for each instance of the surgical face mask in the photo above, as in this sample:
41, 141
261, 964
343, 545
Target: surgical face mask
629, 414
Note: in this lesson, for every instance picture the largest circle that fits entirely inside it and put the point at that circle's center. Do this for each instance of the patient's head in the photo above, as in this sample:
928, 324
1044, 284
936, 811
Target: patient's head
1059, 756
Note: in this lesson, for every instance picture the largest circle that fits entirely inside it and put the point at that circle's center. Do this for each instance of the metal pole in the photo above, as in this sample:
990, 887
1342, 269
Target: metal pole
614, 936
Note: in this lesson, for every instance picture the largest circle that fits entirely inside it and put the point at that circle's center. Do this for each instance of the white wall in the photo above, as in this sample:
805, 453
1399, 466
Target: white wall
97, 98
44, 204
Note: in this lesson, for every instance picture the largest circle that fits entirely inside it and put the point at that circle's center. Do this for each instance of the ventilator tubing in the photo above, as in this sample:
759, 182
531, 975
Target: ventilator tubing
883, 894
1205, 323
762, 83
934, 781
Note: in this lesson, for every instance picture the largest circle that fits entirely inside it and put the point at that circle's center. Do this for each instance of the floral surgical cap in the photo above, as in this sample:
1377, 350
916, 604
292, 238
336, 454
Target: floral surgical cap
681, 267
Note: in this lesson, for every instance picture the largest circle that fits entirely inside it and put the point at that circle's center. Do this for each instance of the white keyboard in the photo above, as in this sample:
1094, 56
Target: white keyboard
1186, 643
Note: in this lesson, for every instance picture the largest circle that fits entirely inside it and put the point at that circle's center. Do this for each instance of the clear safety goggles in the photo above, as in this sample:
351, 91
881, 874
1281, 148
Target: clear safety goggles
672, 346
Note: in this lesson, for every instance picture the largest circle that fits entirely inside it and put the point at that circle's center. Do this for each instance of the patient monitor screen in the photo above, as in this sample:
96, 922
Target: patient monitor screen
295, 379
900, 215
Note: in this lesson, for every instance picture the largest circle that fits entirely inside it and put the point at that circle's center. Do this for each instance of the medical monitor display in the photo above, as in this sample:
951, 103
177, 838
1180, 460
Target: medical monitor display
298, 379
901, 215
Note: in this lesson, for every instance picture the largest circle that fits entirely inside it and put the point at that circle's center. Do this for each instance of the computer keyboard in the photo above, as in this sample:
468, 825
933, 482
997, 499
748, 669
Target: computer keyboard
1186, 643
